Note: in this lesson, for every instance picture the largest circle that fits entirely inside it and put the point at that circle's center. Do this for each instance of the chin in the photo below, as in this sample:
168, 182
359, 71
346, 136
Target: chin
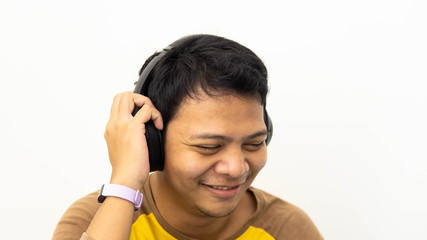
217, 209
216, 213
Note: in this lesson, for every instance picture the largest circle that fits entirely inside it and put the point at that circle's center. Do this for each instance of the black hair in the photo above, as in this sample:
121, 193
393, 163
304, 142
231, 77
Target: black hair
215, 65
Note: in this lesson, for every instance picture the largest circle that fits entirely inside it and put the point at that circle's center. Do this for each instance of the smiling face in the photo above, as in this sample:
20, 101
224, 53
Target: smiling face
215, 146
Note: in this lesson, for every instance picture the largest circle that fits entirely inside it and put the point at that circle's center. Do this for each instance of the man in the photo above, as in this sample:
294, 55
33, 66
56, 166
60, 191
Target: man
207, 95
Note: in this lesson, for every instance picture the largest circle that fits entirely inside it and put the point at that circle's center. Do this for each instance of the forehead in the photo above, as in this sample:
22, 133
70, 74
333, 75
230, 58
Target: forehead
231, 117
219, 113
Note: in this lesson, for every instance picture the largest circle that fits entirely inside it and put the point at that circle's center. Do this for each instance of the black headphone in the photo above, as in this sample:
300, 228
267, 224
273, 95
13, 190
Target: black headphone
152, 134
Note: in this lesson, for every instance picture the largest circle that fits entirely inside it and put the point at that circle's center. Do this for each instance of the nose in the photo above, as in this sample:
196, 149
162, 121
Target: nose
232, 163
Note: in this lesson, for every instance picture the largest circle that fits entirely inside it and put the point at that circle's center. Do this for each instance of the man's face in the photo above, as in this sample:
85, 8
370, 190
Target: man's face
215, 146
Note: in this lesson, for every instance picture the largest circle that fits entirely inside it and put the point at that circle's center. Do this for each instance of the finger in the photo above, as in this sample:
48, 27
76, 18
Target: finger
128, 102
157, 119
149, 112
115, 106
123, 106
140, 100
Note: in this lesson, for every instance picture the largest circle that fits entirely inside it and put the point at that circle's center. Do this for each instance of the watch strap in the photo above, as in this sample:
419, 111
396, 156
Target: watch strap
115, 190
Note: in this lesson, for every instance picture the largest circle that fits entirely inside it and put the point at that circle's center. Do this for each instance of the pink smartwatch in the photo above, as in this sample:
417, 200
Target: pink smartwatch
115, 190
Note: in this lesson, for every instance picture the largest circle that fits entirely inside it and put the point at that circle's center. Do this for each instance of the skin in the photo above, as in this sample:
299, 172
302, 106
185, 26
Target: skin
124, 135
214, 149
211, 142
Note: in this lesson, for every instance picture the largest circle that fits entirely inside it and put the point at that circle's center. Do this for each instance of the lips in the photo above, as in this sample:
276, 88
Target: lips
225, 185
223, 192
221, 187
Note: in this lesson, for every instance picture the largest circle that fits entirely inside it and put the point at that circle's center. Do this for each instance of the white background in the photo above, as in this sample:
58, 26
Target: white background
348, 102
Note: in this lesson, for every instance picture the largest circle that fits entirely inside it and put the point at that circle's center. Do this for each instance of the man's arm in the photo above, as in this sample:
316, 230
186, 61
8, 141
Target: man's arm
128, 153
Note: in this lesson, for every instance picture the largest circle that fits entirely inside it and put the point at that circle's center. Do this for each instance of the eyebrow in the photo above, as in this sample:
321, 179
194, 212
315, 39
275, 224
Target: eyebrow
225, 138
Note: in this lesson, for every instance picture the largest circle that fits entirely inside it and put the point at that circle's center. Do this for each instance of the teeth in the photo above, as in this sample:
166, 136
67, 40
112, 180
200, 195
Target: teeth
221, 188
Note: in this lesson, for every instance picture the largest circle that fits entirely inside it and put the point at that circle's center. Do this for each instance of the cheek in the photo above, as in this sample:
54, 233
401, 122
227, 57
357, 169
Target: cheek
184, 164
258, 162
184, 173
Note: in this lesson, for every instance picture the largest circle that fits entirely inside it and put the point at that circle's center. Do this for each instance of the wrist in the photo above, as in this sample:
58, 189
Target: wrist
123, 192
133, 184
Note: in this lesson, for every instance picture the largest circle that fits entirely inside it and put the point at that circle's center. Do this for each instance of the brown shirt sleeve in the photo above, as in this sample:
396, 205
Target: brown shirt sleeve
284, 220
298, 225
76, 219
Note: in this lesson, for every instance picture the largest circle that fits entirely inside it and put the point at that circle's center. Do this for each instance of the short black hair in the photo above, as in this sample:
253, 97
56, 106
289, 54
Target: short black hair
216, 65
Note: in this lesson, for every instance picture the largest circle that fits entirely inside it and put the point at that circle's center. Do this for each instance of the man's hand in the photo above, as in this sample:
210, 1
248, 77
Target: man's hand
128, 152
125, 137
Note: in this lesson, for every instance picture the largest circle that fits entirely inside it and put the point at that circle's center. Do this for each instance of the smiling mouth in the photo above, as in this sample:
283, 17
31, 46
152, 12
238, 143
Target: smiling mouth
223, 192
221, 188
224, 188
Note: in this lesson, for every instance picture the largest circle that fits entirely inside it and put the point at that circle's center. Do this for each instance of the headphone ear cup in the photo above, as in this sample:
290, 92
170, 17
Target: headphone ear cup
152, 135
155, 147
269, 125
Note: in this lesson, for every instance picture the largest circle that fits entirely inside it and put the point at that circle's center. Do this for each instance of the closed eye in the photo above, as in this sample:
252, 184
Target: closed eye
208, 147
255, 146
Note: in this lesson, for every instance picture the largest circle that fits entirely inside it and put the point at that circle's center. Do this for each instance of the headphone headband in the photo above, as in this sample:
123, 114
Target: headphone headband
141, 86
